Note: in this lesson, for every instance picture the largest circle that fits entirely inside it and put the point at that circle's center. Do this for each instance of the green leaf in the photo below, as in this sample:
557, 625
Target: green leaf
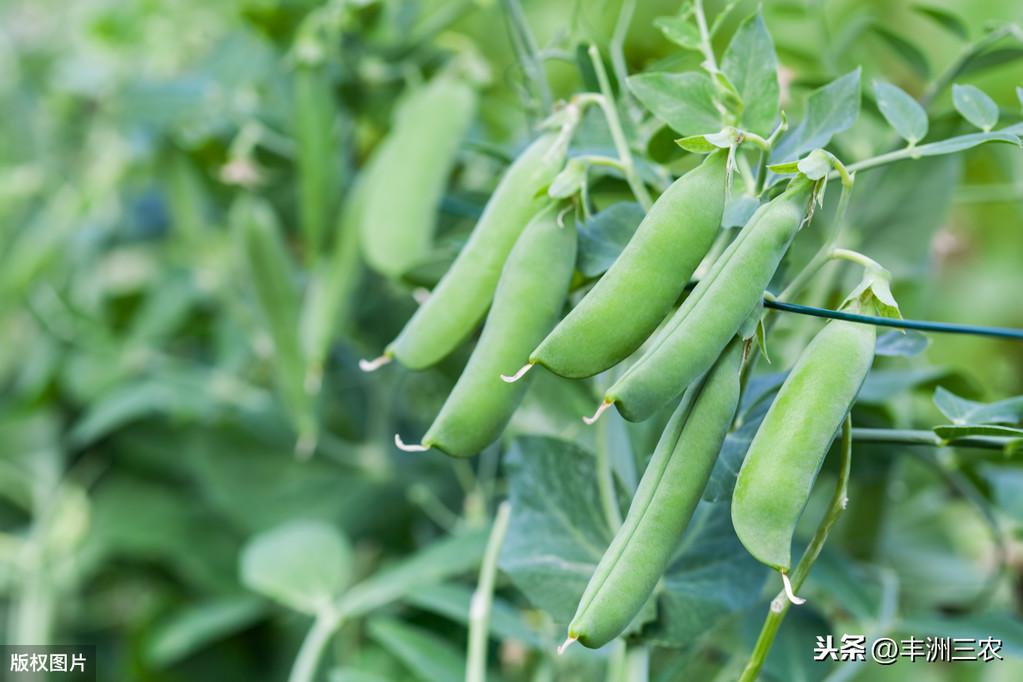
952, 433
569, 181
1006, 484
429, 657
909, 52
198, 625
962, 411
685, 101
751, 65
975, 106
603, 237
680, 30
901, 111
455, 554
1001, 625
944, 18
697, 144
830, 109
303, 564
882, 385
901, 344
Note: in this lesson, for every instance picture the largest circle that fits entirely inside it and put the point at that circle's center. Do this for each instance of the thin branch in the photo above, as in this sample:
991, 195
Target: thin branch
483, 599
316, 640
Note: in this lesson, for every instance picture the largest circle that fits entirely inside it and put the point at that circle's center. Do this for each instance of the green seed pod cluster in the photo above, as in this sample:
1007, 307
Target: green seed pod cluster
665, 500
634, 295
525, 308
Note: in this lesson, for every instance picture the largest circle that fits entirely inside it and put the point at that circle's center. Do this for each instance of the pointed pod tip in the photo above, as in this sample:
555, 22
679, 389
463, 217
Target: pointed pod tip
374, 364
512, 378
404, 447
789, 592
567, 643
589, 421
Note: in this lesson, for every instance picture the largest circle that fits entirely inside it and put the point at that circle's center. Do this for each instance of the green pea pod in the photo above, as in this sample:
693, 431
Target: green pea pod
460, 300
642, 285
789, 447
665, 500
409, 172
331, 293
271, 276
715, 310
529, 298
314, 122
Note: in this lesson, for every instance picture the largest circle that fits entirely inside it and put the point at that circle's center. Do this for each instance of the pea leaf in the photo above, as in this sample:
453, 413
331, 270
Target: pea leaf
680, 30
751, 65
901, 111
1001, 625
951, 433
197, 625
901, 344
430, 657
962, 411
685, 101
302, 564
453, 601
944, 18
963, 142
603, 237
975, 106
830, 110
1006, 484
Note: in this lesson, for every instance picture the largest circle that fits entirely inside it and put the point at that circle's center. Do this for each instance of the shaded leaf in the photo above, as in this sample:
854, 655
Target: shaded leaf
198, 625
952, 433
303, 564
901, 344
830, 110
603, 237
975, 106
947, 20
429, 657
680, 30
962, 411
909, 52
685, 101
751, 65
901, 111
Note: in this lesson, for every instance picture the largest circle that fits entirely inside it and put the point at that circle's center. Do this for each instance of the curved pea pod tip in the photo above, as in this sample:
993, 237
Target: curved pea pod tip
596, 415
409, 447
789, 592
374, 364
512, 378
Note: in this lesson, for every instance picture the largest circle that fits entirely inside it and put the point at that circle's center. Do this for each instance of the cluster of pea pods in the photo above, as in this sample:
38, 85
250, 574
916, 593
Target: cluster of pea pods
519, 262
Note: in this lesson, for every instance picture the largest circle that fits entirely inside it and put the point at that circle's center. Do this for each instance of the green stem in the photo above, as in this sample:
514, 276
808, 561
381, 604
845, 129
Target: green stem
316, 640
617, 46
705, 46
530, 57
605, 478
637, 663
614, 124
780, 604
483, 599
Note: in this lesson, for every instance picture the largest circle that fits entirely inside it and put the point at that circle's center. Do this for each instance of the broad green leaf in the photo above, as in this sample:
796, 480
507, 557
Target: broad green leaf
1006, 484
443, 559
953, 433
304, 565
685, 101
962, 411
751, 64
949, 21
830, 109
901, 111
603, 237
726, 468
882, 385
901, 344
428, 656
910, 53
199, 625
975, 106
680, 30
697, 144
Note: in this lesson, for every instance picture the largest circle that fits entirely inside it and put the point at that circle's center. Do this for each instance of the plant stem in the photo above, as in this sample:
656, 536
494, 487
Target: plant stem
614, 124
308, 659
605, 478
617, 46
780, 604
637, 663
530, 53
705, 46
483, 599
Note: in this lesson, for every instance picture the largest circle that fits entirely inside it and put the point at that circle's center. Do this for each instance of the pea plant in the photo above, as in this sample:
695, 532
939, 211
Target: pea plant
366, 340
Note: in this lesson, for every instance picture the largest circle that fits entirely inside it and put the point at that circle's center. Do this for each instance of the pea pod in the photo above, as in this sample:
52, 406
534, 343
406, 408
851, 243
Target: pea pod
315, 117
634, 295
694, 336
408, 174
665, 500
460, 300
530, 295
782, 462
272, 278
